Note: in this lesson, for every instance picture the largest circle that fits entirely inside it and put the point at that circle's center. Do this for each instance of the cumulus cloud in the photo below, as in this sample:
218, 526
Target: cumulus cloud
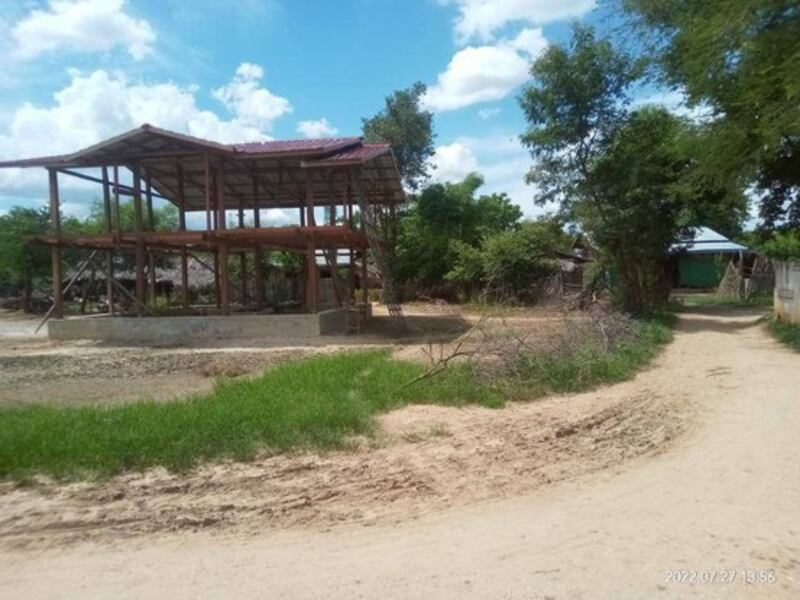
485, 73
499, 158
316, 129
452, 162
254, 106
481, 19
80, 26
100, 104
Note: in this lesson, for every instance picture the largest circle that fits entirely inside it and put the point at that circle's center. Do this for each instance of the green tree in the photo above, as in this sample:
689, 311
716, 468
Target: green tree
632, 181
165, 218
739, 58
22, 264
577, 98
26, 266
510, 264
408, 129
441, 215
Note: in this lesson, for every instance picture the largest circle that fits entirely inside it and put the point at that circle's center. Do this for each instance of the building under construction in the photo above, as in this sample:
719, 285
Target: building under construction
338, 188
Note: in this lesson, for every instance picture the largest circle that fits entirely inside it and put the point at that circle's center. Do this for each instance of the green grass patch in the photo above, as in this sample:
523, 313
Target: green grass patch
314, 403
591, 364
785, 332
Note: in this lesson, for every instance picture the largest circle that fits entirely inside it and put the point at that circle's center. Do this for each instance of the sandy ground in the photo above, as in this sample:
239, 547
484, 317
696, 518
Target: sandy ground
699, 473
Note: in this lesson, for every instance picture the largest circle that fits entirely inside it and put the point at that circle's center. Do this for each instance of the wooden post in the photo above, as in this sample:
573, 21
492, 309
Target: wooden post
207, 172
184, 252
310, 219
216, 279
351, 276
151, 259
224, 290
140, 250
364, 285
110, 253
117, 217
242, 261
224, 280
312, 275
220, 183
257, 264
55, 251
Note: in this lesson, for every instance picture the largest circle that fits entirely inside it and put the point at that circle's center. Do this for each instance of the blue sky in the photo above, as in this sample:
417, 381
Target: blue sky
73, 72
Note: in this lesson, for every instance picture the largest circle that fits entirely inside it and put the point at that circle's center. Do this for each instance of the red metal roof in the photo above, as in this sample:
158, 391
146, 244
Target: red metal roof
291, 146
338, 149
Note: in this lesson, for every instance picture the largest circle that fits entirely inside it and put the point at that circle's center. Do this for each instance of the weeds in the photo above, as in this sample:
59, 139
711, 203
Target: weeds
321, 402
315, 403
786, 332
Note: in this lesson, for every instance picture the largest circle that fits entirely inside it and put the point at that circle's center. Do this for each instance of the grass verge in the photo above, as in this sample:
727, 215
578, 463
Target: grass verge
786, 332
314, 403
317, 403
591, 364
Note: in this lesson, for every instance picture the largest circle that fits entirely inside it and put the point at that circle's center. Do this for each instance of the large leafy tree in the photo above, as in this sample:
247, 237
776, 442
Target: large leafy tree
25, 267
441, 216
741, 59
577, 98
631, 180
409, 129
653, 192
510, 264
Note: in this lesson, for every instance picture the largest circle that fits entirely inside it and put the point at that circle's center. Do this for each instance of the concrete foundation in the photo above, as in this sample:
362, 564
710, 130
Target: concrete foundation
182, 330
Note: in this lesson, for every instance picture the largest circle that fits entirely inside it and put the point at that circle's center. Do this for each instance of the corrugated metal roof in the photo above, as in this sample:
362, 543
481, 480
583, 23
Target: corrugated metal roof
284, 146
708, 241
153, 139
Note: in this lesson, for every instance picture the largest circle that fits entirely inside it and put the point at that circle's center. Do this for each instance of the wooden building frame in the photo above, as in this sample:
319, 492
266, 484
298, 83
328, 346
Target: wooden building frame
226, 181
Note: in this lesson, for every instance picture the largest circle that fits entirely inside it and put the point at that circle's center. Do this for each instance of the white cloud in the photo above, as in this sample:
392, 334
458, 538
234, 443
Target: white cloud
316, 129
100, 104
499, 158
253, 105
481, 19
80, 26
485, 73
675, 102
452, 162
489, 113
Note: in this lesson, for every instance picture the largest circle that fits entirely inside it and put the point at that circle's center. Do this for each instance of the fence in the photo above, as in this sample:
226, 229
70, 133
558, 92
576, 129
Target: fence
787, 291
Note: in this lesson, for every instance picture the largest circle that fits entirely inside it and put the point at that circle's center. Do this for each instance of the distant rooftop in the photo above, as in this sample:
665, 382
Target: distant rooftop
708, 241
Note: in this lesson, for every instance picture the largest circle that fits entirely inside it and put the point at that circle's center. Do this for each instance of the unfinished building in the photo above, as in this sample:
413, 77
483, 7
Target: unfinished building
337, 189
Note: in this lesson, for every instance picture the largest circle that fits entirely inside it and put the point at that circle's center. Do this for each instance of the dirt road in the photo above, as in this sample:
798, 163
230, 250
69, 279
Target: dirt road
726, 497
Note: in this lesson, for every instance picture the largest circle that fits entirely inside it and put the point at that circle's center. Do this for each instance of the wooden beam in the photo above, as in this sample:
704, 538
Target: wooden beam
310, 204
151, 259
140, 251
117, 217
207, 172
216, 279
55, 252
258, 266
223, 279
110, 253
312, 276
182, 227
242, 263
220, 181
